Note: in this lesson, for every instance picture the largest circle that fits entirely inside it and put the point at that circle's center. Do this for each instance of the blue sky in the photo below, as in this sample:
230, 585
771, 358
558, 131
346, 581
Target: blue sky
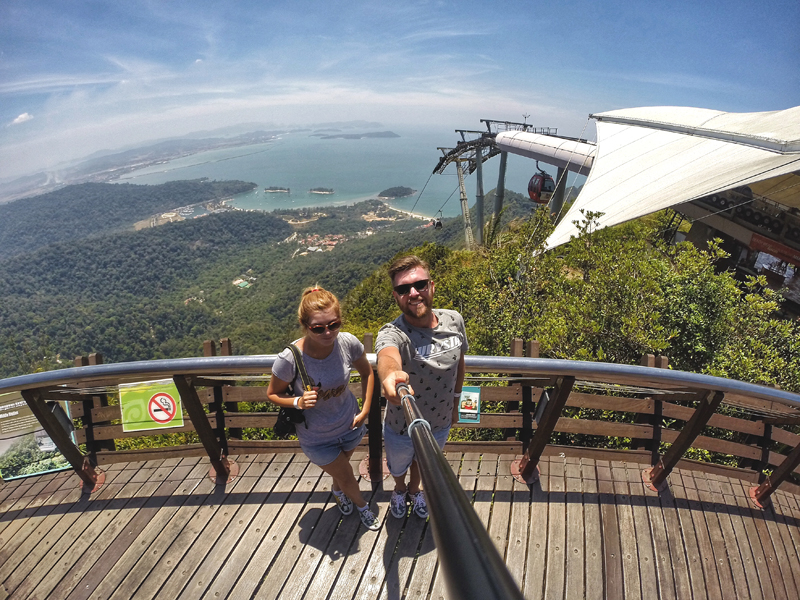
77, 77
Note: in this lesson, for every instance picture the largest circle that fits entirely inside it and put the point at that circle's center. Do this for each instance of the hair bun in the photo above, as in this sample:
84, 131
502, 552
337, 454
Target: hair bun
310, 290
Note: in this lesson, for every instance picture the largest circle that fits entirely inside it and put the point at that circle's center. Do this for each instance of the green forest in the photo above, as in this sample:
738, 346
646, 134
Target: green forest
610, 295
160, 292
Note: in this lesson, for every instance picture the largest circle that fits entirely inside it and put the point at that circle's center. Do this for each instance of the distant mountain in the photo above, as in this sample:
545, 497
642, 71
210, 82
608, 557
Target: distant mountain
103, 166
356, 136
347, 125
109, 165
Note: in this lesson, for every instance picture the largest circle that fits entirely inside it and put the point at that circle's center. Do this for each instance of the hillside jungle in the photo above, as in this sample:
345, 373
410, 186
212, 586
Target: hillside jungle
610, 295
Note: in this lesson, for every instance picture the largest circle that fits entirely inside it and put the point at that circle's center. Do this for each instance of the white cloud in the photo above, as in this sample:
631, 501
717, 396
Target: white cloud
21, 119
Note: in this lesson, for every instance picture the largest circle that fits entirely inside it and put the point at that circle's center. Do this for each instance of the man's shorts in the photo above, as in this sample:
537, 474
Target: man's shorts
400, 449
327, 452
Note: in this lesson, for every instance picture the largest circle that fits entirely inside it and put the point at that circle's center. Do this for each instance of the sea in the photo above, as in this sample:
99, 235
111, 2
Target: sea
356, 169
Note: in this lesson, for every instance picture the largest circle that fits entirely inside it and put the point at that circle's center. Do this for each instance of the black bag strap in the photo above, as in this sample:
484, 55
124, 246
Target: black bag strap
300, 365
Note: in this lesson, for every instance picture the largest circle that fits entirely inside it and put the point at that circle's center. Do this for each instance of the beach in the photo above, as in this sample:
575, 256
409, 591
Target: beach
407, 212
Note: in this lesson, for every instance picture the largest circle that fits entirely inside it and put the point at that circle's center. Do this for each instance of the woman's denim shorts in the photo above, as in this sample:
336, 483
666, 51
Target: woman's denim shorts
327, 452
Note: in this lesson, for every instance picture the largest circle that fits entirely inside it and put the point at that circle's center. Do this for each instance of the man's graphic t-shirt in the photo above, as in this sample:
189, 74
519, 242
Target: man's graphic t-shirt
430, 357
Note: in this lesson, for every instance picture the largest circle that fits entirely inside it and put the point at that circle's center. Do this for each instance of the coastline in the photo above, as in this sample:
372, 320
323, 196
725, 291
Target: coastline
407, 212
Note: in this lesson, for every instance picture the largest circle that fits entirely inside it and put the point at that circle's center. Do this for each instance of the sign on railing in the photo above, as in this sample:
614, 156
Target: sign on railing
25, 447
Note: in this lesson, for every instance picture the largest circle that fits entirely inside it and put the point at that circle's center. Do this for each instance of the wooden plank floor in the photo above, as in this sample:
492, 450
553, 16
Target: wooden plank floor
589, 529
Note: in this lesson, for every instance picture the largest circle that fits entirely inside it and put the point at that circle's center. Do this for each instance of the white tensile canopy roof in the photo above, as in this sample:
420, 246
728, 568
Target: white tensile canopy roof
652, 158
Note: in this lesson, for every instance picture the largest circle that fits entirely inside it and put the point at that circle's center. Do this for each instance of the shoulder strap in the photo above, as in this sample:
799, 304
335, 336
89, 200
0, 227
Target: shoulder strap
298, 361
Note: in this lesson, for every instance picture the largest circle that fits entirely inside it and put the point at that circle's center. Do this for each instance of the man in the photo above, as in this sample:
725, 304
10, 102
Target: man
424, 348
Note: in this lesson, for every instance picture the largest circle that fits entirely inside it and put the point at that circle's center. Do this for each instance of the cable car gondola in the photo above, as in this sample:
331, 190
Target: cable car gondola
541, 187
437, 221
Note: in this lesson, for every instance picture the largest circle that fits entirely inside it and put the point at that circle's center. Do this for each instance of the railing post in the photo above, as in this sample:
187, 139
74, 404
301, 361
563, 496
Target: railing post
527, 470
760, 495
372, 467
90, 402
210, 349
653, 419
532, 351
226, 349
92, 478
223, 470
100, 400
510, 433
656, 476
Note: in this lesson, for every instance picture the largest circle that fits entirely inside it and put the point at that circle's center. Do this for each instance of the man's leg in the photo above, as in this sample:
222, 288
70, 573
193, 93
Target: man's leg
400, 483
415, 480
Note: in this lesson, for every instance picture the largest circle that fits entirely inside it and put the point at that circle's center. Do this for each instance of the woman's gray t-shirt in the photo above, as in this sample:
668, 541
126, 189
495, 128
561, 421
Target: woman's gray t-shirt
336, 406
430, 357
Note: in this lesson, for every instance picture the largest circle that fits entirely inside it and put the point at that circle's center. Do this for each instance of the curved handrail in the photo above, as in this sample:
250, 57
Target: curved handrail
563, 373
262, 363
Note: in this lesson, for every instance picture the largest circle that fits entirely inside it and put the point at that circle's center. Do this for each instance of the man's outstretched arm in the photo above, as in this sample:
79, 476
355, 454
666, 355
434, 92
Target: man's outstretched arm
390, 373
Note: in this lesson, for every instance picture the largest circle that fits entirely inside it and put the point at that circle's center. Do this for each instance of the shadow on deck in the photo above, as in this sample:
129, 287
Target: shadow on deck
588, 529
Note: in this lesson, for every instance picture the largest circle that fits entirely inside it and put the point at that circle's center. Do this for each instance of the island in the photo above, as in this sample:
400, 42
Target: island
356, 136
275, 189
321, 190
396, 192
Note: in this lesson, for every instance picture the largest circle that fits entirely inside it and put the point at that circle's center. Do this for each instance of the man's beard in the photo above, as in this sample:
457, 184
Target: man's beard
417, 311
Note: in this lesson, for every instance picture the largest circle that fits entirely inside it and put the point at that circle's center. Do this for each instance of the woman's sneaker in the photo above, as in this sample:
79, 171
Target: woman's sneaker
369, 519
419, 506
398, 505
344, 503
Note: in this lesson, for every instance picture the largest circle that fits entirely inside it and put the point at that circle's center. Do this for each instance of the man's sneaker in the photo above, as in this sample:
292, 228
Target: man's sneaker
398, 505
369, 519
419, 506
344, 503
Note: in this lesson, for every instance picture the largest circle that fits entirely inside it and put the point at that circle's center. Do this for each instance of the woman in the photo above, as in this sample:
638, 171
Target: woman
333, 424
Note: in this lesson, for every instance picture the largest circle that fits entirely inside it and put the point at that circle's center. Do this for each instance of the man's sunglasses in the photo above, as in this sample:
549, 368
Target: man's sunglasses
405, 288
320, 329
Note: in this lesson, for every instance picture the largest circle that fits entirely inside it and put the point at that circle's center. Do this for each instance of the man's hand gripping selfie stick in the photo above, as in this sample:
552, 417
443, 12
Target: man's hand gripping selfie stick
413, 416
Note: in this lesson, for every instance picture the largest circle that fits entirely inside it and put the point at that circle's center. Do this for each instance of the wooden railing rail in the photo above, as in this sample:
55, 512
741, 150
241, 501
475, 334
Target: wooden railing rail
528, 401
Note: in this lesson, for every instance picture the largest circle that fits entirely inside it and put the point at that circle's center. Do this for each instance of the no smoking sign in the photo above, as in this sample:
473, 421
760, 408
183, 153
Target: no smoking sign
162, 408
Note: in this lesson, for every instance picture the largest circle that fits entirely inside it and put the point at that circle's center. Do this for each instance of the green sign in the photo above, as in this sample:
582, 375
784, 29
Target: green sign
150, 405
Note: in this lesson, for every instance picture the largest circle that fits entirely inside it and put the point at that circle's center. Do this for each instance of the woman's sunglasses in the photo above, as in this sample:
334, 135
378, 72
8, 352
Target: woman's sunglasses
405, 288
320, 329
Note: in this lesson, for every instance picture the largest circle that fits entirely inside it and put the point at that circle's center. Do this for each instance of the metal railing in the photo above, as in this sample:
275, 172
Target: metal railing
115, 373
560, 377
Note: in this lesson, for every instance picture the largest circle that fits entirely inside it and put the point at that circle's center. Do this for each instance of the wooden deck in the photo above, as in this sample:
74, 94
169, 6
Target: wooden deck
590, 529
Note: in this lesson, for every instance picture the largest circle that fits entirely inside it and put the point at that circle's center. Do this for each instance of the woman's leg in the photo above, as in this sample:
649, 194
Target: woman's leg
343, 477
336, 487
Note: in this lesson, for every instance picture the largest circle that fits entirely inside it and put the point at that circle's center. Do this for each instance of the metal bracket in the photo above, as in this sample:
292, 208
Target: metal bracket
518, 466
541, 405
233, 471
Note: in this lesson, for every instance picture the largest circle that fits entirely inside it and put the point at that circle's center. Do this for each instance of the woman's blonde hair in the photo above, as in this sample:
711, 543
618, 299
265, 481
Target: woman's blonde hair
316, 299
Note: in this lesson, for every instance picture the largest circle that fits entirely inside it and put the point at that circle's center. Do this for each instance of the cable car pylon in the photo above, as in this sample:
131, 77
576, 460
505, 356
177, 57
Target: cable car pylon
470, 242
474, 153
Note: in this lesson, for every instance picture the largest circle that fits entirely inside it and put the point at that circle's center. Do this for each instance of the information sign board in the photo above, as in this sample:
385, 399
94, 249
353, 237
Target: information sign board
25, 447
